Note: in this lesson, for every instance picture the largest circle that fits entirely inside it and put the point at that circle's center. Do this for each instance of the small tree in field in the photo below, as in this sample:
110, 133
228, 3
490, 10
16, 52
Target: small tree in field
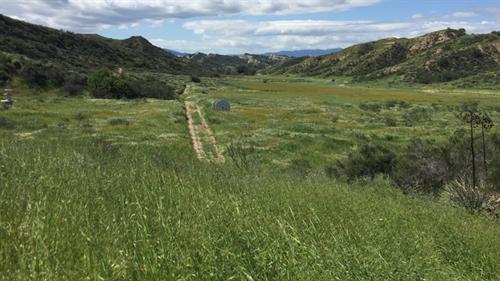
470, 116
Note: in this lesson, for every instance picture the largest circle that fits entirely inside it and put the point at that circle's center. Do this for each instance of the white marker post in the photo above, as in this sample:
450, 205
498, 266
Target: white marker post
8, 102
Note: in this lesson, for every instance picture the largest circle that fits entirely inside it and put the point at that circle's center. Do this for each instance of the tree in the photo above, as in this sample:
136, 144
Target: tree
470, 116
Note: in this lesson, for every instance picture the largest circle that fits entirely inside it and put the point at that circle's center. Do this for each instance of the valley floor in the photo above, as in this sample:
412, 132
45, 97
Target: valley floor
112, 190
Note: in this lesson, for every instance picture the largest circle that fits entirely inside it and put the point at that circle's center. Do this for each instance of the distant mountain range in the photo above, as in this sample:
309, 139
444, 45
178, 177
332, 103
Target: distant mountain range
176, 53
291, 54
304, 53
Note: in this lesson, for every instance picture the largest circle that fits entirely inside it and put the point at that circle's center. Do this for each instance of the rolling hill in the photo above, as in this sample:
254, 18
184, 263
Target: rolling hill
442, 56
85, 51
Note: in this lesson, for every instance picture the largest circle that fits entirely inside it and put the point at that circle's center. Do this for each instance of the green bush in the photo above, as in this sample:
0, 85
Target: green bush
104, 84
416, 116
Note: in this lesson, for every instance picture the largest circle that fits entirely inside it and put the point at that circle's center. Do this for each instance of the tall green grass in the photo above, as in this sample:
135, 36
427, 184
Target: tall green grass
92, 210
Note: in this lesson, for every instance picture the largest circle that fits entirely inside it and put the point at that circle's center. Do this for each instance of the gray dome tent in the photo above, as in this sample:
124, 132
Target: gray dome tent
221, 105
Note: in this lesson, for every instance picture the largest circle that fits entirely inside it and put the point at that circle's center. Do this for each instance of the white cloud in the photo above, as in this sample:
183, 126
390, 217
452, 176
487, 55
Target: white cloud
87, 15
230, 35
238, 36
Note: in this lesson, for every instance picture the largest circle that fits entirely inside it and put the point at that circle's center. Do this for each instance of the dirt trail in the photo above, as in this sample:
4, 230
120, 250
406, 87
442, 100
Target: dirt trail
202, 137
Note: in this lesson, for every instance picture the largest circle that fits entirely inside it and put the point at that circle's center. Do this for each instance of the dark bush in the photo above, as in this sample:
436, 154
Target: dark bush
390, 122
6, 123
74, 84
422, 167
195, 79
152, 89
370, 106
34, 75
118, 122
416, 116
368, 161
40, 75
300, 167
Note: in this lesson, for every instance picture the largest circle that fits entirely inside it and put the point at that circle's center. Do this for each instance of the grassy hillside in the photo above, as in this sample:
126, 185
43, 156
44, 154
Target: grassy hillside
442, 56
78, 209
84, 52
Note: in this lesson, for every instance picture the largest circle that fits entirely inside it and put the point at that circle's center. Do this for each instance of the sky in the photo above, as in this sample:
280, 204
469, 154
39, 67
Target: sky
258, 26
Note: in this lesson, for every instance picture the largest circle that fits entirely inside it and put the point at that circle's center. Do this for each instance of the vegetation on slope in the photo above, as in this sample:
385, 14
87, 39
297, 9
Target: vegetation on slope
442, 56
84, 52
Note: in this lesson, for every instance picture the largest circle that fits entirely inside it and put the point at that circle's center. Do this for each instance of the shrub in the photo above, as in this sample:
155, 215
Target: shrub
118, 121
370, 106
242, 157
6, 123
368, 161
34, 75
416, 116
152, 89
80, 116
195, 79
74, 85
422, 168
103, 84
390, 121
466, 196
300, 167
38, 75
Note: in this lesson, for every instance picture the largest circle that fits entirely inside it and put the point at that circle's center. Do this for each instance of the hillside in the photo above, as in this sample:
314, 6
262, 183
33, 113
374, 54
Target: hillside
441, 56
230, 65
79, 51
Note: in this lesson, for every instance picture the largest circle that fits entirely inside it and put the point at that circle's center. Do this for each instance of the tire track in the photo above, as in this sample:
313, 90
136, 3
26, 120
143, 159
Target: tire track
201, 135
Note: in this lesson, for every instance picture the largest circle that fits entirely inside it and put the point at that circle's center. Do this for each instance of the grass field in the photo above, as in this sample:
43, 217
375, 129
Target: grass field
111, 190
315, 120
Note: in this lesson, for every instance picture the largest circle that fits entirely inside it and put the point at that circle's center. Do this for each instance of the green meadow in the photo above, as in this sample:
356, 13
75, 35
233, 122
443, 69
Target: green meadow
94, 189
286, 119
